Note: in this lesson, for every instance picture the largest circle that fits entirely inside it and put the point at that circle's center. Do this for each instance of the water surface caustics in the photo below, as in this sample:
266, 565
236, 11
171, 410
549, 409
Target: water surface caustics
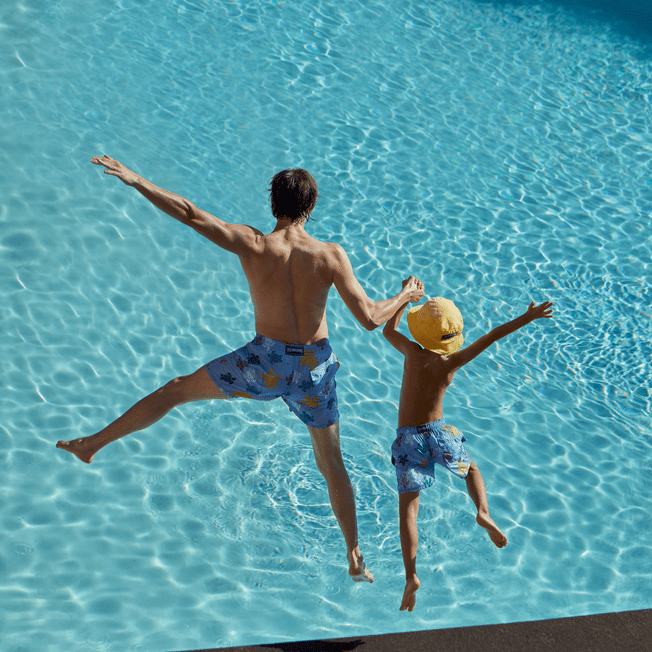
499, 152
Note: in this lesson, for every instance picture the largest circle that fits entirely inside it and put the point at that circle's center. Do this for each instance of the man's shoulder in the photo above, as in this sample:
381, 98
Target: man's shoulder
324, 244
250, 238
334, 252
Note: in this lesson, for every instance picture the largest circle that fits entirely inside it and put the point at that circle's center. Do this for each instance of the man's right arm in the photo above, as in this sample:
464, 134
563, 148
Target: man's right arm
236, 238
370, 314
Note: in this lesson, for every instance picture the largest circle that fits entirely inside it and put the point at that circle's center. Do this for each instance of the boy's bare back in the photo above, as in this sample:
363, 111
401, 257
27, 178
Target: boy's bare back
426, 377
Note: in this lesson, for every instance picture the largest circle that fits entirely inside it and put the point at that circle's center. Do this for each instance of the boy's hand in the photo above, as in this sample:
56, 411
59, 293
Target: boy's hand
414, 287
542, 311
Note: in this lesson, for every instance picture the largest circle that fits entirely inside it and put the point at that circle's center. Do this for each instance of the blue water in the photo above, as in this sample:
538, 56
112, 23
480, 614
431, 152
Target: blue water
499, 151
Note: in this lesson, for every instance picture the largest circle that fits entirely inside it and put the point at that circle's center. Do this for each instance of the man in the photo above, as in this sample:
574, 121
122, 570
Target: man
289, 274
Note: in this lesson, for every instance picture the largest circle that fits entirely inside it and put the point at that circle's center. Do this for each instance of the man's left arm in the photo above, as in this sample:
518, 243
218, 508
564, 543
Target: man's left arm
236, 238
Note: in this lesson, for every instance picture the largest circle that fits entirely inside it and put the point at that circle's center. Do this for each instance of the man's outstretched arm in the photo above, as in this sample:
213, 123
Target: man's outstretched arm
236, 238
370, 314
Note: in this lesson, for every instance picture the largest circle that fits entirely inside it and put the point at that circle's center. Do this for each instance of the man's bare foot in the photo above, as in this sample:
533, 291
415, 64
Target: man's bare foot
79, 447
409, 597
357, 569
499, 539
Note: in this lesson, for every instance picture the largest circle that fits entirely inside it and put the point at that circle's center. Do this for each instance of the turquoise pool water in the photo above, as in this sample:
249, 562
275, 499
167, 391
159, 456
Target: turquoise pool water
499, 151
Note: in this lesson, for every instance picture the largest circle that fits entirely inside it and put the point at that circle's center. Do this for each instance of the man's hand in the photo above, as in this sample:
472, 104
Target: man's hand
116, 169
414, 289
542, 311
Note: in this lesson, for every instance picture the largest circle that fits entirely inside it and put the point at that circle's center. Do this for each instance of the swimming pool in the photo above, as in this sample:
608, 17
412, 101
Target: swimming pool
499, 151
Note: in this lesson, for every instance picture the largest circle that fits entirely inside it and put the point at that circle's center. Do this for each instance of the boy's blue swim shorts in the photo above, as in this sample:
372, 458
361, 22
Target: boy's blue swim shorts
416, 449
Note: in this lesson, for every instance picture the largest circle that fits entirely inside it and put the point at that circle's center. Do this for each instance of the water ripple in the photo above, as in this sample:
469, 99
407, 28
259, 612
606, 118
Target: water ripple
501, 154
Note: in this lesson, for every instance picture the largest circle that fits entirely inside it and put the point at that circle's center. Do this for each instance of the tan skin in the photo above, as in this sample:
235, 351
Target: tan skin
289, 274
426, 377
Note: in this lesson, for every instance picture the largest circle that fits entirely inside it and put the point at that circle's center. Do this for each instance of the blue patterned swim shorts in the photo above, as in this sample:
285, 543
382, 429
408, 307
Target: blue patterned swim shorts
416, 449
303, 375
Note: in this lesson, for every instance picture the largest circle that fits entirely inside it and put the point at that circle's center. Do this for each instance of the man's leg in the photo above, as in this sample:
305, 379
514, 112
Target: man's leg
195, 387
328, 455
475, 487
408, 510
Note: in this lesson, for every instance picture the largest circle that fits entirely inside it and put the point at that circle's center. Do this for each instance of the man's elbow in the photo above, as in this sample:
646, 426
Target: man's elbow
368, 323
373, 323
367, 317
193, 216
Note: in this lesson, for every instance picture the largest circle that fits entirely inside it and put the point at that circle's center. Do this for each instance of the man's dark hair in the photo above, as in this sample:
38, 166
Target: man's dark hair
293, 194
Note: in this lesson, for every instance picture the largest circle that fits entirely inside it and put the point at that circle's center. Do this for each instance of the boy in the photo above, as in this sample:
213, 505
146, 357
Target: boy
423, 437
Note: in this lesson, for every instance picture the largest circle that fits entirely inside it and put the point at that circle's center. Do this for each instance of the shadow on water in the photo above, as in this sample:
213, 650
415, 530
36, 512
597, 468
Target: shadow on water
629, 18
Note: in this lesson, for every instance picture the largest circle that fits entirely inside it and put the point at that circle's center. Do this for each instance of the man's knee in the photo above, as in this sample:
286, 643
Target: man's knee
173, 384
196, 386
325, 443
174, 389
330, 462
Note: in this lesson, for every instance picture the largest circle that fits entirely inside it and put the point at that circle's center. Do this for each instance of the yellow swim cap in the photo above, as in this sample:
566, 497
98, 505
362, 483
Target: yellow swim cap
437, 325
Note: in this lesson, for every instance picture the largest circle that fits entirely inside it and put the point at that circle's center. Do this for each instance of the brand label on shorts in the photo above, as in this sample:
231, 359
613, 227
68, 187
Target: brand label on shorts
293, 349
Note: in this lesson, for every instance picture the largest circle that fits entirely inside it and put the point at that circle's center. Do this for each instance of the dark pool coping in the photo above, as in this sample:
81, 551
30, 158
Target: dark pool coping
625, 631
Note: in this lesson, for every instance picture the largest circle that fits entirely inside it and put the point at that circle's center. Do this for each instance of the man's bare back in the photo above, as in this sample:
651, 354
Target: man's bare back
289, 274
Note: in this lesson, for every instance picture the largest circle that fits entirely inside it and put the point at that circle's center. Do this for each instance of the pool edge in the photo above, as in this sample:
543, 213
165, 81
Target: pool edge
626, 631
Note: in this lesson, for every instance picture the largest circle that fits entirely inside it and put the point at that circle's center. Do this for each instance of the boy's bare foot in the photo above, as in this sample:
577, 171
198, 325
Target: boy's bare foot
409, 597
79, 447
357, 569
499, 539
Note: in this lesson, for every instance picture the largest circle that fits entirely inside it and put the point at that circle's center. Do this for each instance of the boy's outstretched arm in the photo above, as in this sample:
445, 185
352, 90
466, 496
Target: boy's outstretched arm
460, 358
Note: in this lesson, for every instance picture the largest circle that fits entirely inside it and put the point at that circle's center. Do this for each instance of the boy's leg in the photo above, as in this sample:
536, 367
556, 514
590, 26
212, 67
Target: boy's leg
328, 456
197, 386
408, 510
475, 487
